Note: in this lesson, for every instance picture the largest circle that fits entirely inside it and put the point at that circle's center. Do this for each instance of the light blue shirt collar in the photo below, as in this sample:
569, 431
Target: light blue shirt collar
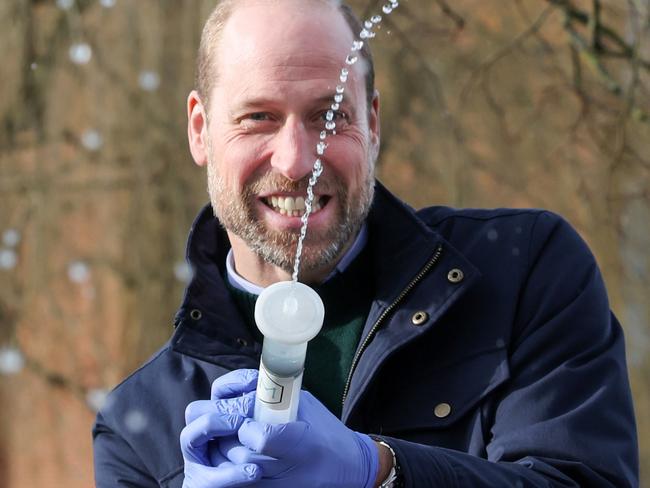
243, 284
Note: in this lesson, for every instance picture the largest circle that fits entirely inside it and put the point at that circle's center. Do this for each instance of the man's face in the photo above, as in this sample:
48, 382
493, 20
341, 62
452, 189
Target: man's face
278, 66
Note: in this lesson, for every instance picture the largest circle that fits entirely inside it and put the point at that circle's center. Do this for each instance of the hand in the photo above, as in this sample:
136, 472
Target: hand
210, 422
316, 451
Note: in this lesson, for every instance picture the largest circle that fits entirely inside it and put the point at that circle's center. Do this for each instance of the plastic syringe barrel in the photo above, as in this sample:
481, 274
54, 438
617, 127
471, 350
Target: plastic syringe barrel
279, 382
289, 315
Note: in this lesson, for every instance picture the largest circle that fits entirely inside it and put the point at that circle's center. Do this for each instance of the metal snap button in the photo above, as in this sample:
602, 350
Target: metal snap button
196, 314
419, 317
455, 276
442, 410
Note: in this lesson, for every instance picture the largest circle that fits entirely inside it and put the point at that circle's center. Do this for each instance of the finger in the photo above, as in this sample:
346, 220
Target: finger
243, 406
311, 410
226, 475
234, 384
272, 439
234, 451
195, 436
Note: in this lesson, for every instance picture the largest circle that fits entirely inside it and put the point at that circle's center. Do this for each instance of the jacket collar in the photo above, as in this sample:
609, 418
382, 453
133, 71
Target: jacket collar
208, 324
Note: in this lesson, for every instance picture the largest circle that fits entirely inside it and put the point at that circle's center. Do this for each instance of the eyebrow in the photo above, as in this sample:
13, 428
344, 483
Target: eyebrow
258, 102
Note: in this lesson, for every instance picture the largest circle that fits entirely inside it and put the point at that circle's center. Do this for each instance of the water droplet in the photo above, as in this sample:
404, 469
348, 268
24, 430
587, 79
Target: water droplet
96, 398
149, 80
338, 98
65, 4
11, 237
343, 78
492, 235
376, 19
345, 71
351, 59
33, 66
8, 259
364, 34
80, 53
78, 272
335, 106
367, 24
357, 45
340, 88
107, 3
330, 125
320, 148
91, 140
388, 8
183, 272
329, 115
323, 135
394, 3
11, 360
318, 165
136, 421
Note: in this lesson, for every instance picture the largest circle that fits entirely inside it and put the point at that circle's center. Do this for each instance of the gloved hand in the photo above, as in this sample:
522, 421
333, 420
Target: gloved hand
210, 422
318, 450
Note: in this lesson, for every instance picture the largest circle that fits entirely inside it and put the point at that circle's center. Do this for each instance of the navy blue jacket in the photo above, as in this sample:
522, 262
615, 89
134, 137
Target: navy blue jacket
490, 357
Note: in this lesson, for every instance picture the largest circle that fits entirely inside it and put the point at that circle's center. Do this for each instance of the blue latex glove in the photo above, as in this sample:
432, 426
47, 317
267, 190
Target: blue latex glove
210, 422
318, 450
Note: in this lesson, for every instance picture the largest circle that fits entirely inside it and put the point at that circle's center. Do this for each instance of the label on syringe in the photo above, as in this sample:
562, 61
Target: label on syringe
275, 391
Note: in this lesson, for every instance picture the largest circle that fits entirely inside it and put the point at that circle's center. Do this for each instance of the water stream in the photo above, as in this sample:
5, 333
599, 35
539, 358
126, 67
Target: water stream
368, 32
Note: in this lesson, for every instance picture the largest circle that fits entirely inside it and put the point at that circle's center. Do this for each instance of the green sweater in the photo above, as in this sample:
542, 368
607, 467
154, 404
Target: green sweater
347, 297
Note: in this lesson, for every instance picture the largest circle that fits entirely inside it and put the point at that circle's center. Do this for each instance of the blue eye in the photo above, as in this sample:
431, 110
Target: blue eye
338, 115
258, 116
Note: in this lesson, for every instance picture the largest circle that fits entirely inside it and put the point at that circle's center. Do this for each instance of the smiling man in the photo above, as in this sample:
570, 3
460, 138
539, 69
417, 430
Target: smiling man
256, 127
461, 348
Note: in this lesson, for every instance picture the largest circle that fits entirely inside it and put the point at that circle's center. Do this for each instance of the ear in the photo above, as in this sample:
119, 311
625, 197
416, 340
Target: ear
374, 125
197, 128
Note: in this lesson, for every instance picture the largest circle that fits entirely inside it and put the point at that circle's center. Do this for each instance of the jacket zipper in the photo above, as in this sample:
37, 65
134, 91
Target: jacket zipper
427, 267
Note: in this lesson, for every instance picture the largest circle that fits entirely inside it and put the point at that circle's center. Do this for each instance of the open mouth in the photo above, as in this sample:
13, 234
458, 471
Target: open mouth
294, 206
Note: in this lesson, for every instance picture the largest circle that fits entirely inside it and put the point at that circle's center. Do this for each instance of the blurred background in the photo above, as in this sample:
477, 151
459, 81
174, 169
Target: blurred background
524, 103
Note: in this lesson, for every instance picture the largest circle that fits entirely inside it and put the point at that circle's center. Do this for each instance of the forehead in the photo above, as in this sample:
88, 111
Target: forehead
296, 39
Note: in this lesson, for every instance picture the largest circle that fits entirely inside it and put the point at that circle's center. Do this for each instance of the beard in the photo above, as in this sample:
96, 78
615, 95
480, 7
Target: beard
235, 209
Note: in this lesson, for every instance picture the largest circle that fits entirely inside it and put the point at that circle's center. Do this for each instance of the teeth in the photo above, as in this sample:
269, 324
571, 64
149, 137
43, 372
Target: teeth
295, 207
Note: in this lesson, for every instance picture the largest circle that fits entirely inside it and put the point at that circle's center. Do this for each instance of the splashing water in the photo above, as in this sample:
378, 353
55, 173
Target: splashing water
330, 125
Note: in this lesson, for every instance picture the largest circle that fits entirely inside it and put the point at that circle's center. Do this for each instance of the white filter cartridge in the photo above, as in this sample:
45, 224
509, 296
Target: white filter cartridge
289, 314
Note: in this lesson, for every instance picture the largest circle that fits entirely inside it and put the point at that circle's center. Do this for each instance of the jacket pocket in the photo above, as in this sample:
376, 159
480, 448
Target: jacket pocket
439, 397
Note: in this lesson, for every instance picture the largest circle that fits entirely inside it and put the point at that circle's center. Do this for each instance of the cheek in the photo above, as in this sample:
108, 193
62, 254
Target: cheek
239, 162
349, 158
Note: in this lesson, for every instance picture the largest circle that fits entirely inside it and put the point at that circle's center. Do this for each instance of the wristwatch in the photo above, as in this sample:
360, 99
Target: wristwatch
393, 478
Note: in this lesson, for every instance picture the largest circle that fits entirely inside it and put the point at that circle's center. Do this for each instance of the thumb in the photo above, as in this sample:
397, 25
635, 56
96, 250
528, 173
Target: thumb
274, 440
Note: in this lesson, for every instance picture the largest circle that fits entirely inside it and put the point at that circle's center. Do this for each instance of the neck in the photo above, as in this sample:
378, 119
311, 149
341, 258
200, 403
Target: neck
252, 267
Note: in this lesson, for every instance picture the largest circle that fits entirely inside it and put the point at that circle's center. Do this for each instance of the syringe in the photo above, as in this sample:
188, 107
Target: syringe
289, 314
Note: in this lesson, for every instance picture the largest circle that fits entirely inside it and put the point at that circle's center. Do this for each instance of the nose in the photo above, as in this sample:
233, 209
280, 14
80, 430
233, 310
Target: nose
293, 154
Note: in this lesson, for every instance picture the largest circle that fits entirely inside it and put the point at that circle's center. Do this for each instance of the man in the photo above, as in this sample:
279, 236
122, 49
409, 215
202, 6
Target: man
476, 347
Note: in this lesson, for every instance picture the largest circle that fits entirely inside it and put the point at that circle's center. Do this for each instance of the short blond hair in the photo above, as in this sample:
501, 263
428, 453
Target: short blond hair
211, 36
